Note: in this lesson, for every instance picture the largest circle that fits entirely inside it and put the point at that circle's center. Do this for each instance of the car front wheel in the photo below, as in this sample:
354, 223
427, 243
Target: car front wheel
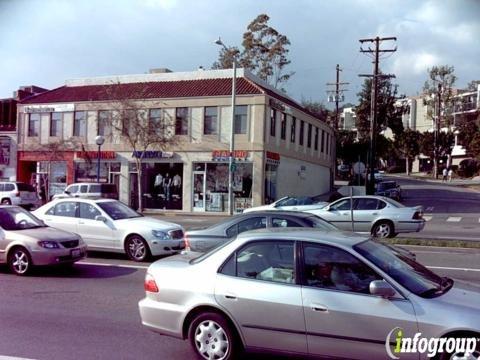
19, 261
137, 248
383, 229
211, 337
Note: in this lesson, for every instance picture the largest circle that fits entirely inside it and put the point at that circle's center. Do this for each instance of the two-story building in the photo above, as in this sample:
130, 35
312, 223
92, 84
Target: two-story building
280, 147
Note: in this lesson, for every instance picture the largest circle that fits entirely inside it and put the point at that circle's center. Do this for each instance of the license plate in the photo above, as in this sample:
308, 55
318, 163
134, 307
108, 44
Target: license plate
76, 253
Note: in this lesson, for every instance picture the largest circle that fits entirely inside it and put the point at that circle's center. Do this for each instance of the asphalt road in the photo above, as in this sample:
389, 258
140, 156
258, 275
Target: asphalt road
91, 311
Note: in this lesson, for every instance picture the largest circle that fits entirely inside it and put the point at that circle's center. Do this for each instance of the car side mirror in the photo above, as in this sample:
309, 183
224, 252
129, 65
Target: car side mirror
382, 288
67, 192
101, 218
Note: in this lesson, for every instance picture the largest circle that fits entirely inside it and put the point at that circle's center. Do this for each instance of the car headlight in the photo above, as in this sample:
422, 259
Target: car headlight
162, 235
49, 244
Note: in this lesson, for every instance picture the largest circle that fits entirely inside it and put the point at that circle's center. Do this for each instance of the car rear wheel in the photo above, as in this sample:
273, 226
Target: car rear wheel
211, 337
383, 229
6, 202
137, 248
19, 261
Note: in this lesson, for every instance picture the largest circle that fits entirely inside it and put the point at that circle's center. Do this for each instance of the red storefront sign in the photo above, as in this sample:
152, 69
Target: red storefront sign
218, 155
94, 154
273, 156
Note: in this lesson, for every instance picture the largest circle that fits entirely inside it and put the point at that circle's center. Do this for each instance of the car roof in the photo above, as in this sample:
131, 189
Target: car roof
90, 183
95, 199
345, 238
297, 214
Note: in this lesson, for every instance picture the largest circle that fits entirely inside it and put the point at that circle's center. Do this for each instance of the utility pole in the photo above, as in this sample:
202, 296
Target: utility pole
436, 131
338, 95
370, 183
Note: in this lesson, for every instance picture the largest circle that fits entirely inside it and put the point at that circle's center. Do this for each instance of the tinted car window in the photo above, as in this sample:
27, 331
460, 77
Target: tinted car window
252, 224
381, 204
22, 187
94, 189
88, 211
328, 267
2, 187
269, 260
108, 188
68, 209
316, 222
282, 222
342, 205
72, 189
10, 187
83, 189
366, 204
232, 231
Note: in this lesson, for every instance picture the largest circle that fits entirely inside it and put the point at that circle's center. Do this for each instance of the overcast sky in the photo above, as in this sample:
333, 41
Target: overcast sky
45, 42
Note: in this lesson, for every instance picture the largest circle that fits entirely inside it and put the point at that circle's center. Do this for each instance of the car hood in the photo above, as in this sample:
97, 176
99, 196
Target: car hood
462, 294
43, 233
146, 222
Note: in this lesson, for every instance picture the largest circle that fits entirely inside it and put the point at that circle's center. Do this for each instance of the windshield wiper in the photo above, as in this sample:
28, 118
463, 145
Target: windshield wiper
445, 285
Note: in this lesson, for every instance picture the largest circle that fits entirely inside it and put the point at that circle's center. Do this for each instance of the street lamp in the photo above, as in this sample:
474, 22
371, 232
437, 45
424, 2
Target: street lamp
232, 132
99, 140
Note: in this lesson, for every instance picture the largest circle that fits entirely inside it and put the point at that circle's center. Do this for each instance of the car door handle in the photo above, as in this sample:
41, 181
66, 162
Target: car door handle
81, 223
374, 213
230, 296
319, 308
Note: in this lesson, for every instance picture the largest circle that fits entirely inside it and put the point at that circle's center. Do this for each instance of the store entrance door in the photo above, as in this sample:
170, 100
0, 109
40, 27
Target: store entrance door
199, 191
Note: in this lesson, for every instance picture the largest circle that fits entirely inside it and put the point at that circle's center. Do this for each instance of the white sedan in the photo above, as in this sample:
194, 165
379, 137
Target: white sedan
301, 203
110, 225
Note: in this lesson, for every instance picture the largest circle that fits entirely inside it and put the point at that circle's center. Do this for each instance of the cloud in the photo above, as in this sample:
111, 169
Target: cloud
163, 4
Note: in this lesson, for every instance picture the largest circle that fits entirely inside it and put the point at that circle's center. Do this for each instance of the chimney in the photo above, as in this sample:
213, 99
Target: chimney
159, 71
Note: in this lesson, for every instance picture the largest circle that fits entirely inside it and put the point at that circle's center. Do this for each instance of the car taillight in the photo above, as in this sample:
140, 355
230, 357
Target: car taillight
187, 242
150, 285
418, 215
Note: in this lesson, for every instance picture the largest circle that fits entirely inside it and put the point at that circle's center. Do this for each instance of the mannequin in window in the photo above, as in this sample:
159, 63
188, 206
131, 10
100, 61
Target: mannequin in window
157, 184
167, 184
177, 184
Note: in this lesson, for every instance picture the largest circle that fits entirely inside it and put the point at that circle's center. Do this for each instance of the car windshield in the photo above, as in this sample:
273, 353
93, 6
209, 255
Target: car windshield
14, 218
406, 271
117, 210
319, 223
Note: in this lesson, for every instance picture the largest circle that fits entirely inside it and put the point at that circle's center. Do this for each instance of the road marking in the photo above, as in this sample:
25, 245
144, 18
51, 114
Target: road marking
452, 268
427, 217
114, 265
454, 219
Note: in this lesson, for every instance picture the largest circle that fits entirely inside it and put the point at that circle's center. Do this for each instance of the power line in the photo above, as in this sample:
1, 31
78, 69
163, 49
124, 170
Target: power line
337, 94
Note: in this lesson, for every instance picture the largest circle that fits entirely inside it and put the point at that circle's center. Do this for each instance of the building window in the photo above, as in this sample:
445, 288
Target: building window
283, 132
210, 120
315, 143
323, 141
273, 122
293, 129
302, 132
241, 119
34, 125
104, 123
155, 117
56, 124
309, 134
181, 121
327, 143
80, 124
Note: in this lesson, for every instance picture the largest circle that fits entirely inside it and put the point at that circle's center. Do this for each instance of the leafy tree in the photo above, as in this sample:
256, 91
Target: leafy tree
446, 140
317, 108
440, 76
475, 146
407, 144
265, 53
388, 114
467, 131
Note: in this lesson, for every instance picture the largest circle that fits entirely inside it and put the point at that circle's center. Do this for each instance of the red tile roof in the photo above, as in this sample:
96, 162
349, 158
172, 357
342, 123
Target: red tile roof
157, 90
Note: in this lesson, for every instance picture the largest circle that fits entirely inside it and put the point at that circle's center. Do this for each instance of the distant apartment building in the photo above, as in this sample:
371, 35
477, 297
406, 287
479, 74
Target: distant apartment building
348, 119
280, 147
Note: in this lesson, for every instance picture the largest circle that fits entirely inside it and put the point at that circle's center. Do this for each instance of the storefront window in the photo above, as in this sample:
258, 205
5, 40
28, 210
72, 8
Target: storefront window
270, 183
162, 185
87, 171
58, 177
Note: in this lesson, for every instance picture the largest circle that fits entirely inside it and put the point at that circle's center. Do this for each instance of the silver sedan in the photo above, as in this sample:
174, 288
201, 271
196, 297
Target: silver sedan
26, 241
305, 292
378, 215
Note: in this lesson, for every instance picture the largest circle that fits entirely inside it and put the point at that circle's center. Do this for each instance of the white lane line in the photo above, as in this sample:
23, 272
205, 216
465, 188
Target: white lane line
454, 219
427, 217
114, 265
13, 358
452, 268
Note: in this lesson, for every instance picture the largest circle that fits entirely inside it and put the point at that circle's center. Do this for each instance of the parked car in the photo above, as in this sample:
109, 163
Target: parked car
304, 292
26, 241
110, 225
19, 193
290, 203
378, 215
389, 189
89, 190
204, 239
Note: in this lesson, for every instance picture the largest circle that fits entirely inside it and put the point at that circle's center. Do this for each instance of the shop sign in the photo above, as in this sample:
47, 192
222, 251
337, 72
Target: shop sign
152, 154
95, 154
49, 108
273, 158
224, 155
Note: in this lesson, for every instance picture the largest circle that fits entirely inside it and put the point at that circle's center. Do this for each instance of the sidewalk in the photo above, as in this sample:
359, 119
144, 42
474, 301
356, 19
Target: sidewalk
428, 178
